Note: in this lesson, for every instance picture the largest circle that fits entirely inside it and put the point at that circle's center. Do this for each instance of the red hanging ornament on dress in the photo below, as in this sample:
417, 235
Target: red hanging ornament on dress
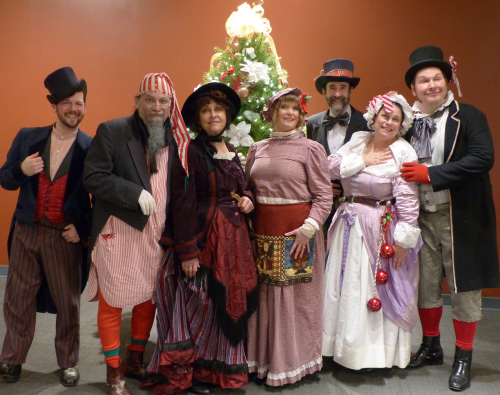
385, 250
374, 304
382, 277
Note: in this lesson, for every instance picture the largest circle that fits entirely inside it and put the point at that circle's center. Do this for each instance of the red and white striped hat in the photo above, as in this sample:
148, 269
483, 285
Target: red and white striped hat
159, 82
388, 101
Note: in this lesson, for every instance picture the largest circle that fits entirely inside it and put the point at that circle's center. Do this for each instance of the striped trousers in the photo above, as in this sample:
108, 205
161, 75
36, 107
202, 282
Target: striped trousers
39, 252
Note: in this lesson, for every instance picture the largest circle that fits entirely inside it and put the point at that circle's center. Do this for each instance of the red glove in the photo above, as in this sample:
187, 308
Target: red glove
415, 172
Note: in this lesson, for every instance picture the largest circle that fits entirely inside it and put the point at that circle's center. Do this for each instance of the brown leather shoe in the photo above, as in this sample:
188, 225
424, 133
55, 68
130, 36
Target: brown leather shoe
133, 365
115, 381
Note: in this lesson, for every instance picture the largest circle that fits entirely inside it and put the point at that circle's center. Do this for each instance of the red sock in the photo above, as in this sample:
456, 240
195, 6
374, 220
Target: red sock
430, 318
113, 361
108, 324
465, 332
143, 316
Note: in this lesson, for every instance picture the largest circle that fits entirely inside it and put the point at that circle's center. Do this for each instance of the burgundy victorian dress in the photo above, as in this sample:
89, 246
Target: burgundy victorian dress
202, 322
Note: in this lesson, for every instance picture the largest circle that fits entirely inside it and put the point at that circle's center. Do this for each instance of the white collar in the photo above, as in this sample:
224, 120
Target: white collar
225, 155
420, 114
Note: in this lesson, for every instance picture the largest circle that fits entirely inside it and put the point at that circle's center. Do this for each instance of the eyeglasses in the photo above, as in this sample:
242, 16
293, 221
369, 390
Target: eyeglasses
163, 103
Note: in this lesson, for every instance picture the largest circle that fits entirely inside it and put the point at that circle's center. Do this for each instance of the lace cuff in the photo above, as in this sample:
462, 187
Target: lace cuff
405, 235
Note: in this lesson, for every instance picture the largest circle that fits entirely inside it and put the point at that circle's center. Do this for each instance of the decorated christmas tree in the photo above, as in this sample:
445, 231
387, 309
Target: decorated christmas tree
250, 65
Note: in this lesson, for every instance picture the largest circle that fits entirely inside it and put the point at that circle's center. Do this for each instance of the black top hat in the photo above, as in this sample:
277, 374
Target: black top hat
427, 56
336, 70
189, 108
63, 83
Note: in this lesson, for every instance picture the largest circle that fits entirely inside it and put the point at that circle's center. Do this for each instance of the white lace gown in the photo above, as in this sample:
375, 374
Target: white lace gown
355, 336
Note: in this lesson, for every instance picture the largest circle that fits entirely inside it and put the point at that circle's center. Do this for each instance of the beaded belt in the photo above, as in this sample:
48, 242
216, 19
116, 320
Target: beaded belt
368, 201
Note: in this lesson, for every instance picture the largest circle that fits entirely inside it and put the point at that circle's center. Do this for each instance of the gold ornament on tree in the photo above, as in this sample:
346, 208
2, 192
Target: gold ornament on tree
237, 56
243, 92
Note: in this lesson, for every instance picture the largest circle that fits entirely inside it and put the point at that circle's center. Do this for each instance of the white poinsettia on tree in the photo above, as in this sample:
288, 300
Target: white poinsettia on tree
250, 65
239, 135
257, 71
250, 52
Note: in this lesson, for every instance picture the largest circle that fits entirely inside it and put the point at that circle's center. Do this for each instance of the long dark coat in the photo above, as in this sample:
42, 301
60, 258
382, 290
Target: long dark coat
116, 172
76, 206
468, 153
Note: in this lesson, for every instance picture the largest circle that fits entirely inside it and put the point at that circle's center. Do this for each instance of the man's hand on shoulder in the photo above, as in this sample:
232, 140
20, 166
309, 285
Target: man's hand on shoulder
32, 165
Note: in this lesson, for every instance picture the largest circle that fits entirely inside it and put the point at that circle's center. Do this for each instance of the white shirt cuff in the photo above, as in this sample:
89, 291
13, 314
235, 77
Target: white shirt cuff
313, 222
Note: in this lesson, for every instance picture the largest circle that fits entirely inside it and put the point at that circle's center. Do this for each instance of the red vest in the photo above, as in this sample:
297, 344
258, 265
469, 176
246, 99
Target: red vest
50, 199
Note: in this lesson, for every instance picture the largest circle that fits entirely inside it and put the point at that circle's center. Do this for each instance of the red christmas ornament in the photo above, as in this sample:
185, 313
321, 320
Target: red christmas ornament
387, 251
382, 277
228, 71
374, 304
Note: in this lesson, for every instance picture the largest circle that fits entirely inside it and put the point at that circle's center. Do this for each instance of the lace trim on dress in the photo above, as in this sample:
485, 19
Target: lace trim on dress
292, 134
225, 155
281, 376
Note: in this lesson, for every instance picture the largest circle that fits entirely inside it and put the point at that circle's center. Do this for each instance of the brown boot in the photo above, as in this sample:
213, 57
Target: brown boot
115, 381
133, 365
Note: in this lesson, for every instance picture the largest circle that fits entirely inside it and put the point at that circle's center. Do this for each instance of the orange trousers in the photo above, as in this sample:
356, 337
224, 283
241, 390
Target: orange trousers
108, 324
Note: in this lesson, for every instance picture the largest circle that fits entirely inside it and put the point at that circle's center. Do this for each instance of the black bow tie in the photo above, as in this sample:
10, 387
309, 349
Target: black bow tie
329, 121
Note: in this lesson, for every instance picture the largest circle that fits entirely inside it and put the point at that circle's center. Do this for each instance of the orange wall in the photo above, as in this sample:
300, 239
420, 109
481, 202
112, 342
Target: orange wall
114, 43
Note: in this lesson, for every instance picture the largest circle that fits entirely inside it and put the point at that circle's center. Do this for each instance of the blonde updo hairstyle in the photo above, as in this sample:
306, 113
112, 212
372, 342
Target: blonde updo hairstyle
289, 97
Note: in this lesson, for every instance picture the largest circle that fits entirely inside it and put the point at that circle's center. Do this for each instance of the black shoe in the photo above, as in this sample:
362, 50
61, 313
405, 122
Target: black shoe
460, 373
429, 353
200, 389
253, 377
70, 376
11, 373
364, 370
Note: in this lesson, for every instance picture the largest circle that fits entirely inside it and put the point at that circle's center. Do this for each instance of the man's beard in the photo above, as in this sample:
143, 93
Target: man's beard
61, 117
337, 106
156, 142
